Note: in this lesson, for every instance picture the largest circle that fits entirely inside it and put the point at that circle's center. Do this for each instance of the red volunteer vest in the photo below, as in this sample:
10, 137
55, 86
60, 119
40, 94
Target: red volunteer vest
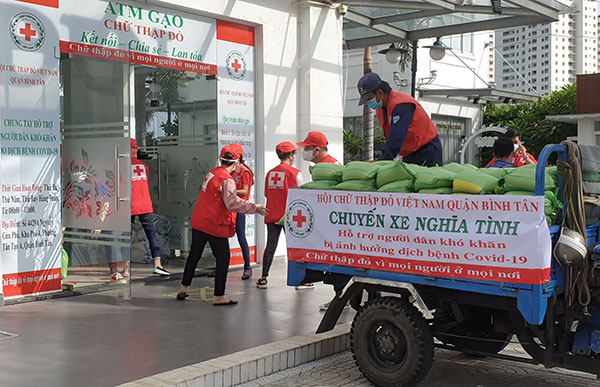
210, 214
329, 159
277, 184
140, 194
243, 176
421, 130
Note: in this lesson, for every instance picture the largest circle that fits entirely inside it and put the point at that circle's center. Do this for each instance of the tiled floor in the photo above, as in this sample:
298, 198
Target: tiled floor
103, 340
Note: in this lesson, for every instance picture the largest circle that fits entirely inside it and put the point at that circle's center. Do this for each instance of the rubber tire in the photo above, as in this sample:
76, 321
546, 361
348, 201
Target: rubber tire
478, 326
402, 316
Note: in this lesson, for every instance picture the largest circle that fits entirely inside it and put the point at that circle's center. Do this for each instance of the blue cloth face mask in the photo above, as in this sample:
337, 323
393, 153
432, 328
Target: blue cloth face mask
373, 104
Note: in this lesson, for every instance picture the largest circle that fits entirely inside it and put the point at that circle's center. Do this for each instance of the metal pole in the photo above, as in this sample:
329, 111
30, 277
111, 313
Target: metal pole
368, 113
413, 82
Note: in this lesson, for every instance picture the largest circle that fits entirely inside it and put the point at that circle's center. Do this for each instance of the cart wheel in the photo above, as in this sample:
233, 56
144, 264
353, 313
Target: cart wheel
391, 342
478, 333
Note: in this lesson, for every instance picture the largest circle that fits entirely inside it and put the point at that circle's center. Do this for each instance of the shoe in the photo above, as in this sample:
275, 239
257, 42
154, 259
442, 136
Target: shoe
117, 277
261, 283
230, 302
182, 296
247, 274
161, 271
305, 286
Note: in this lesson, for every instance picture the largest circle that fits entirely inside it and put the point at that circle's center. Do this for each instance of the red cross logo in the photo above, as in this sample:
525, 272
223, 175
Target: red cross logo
139, 170
299, 219
275, 179
29, 32
236, 65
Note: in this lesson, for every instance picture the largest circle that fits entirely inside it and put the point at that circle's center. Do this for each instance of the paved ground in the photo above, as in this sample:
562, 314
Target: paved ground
450, 369
102, 340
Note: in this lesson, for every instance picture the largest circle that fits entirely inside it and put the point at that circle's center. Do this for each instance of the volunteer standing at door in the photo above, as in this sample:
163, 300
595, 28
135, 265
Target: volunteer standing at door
213, 221
244, 179
409, 131
141, 205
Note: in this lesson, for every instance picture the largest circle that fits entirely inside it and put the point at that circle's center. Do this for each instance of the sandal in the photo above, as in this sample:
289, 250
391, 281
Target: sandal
305, 286
261, 283
182, 296
230, 302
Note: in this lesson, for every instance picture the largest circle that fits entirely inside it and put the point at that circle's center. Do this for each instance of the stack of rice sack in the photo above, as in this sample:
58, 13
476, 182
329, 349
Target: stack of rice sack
521, 181
396, 177
325, 176
359, 176
471, 180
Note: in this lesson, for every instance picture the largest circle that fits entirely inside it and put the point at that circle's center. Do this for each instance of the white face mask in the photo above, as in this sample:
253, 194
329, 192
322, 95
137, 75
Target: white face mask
516, 146
307, 155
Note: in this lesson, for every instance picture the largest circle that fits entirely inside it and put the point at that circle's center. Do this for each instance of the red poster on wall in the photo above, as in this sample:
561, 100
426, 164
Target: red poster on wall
47, 3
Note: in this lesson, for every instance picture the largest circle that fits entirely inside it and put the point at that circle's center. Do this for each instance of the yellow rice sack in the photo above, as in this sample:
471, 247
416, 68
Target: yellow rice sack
474, 182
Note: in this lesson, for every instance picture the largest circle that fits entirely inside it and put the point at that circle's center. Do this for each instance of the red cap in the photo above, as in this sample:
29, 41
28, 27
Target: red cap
315, 139
231, 149
238, 147
286, 147
133, 143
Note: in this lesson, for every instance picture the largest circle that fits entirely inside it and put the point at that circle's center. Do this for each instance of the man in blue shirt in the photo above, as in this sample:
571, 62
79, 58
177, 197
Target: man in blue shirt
504, 153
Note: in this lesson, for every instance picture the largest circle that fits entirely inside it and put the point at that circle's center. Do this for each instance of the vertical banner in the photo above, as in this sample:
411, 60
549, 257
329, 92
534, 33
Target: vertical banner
235, 106
30, 195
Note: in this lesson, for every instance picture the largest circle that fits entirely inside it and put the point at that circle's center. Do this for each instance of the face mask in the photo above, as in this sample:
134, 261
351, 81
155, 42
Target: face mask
516, 146
307, 155
373, 104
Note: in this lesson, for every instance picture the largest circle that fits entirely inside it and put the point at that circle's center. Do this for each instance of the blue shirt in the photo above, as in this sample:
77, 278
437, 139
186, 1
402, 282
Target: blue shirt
402, 116
502, 164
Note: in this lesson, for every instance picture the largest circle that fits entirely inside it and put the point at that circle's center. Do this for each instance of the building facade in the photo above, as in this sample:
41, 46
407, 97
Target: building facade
542, 58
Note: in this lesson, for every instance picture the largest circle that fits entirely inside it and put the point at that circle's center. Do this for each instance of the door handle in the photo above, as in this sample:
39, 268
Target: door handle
118, 157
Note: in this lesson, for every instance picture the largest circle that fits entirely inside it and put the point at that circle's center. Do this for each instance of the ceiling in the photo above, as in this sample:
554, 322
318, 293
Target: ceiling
373, 22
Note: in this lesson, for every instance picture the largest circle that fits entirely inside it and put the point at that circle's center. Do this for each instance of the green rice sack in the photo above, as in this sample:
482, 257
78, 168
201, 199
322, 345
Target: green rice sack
474, 182
384, 162
320, 184
435, 177
498, 173
456, 167
357, 185
441, 190
360, 170
395, 172
397, 186
523, 179
326, 171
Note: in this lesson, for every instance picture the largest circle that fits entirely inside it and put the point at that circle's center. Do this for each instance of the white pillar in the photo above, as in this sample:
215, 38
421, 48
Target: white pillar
585, 132
320, 80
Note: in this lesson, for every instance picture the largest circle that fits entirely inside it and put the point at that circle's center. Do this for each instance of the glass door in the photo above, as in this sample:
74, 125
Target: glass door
96, 171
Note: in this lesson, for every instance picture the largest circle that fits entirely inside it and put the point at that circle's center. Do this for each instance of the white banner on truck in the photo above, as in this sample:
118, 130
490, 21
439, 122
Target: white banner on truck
493, 238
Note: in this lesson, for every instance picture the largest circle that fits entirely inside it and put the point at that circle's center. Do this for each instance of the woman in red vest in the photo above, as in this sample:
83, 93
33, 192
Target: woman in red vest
277, 184
408, 129
141, 206
213, 221
244, 179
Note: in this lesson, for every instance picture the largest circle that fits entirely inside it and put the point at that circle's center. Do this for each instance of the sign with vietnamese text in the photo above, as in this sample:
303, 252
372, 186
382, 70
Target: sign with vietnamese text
139, 33
30, 187
492, 238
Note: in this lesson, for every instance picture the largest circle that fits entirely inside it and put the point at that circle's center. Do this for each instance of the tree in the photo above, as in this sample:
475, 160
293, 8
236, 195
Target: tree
530, 118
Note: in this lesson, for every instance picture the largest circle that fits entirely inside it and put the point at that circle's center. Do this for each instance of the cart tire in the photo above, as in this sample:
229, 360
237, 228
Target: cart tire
391, 342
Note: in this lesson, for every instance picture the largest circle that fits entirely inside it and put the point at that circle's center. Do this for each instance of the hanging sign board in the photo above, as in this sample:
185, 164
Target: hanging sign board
139, 33
235, 106
30, 193
472, 237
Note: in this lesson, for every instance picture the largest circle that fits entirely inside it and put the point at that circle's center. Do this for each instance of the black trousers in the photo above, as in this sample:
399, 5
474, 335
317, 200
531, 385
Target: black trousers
428, 155
220, 249
273, 232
